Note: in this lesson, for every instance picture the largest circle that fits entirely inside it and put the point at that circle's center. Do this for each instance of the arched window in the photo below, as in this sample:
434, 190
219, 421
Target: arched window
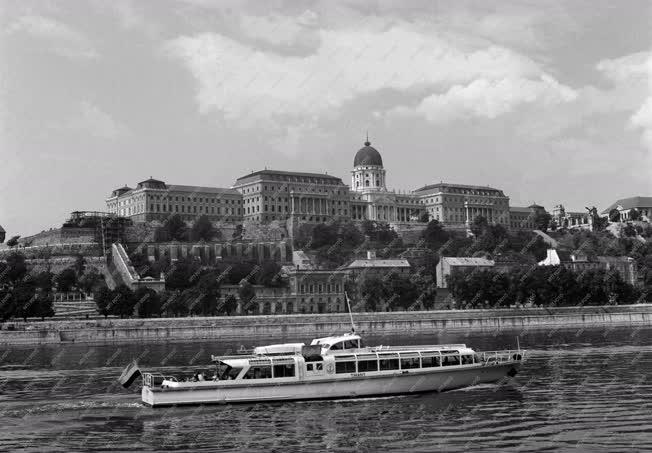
366, 183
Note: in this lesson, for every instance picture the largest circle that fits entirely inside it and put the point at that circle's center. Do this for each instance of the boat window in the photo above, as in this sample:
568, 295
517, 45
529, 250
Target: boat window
259, 372
467, 359
449, 360
388, 364
283, 371
412, 362
345, 367
337, 346
229, 373
351, 344
429, 362
367, 365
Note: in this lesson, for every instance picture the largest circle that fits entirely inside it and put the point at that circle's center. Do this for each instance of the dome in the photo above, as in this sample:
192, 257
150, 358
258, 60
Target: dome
368, 155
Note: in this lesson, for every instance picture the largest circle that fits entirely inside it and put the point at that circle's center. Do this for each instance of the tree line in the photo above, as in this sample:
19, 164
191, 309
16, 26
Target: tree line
546, 286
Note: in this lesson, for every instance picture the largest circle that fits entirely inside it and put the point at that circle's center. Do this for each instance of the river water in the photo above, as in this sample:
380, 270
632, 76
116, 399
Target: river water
579, 390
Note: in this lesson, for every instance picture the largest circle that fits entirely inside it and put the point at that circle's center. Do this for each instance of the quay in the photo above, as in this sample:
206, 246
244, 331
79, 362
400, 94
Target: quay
287, 326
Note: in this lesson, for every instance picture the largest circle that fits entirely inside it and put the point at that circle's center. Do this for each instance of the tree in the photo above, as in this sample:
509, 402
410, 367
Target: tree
270, 274
103, 297
124, 301
43, 305
173, 303
230, 304
238, 232
246, 293
13, 241
23, 295
89, 281
479, 225
66, 279
183, 274
208, 295
175, 228
202, 229
434, 235
614, 215
80, 265
542, 220
424, 217
148, 302
374, 291
44, 281
634, 214
629, 230
14, 269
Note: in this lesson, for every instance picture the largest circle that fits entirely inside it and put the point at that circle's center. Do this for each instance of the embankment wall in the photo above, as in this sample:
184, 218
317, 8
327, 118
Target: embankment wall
308, 326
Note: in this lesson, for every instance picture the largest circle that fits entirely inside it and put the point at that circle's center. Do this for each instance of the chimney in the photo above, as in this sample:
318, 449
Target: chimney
371, 254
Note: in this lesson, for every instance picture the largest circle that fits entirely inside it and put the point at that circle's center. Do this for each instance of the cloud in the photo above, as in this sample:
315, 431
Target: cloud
251, 85
489, 98
642, 118
281, 30
89, 119
61, 38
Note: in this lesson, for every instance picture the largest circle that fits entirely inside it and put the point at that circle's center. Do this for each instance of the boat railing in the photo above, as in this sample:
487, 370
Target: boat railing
418, 347
509, 355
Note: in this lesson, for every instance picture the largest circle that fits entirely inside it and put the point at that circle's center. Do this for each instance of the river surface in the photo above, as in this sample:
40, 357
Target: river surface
579, 390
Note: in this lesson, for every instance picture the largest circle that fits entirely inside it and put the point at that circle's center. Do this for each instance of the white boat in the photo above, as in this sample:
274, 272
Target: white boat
330, 368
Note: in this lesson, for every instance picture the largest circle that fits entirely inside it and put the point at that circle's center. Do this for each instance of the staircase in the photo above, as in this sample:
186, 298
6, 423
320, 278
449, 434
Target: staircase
75, 309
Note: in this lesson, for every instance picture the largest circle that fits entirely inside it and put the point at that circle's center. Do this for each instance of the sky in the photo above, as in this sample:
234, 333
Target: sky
549, 101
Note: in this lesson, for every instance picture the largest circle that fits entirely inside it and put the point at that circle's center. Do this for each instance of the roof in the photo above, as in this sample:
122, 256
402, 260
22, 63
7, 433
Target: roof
367, 155
289, 173
631, 202
203, 189
520, 209
445, 185
376, 263
152, 180
2, 230
466, 261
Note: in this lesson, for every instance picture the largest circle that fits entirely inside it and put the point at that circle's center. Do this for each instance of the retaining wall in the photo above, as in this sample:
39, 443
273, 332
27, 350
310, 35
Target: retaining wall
309, 326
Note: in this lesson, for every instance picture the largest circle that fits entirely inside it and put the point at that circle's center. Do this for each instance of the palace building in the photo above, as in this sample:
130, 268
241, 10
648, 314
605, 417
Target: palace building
155, 200
275, 195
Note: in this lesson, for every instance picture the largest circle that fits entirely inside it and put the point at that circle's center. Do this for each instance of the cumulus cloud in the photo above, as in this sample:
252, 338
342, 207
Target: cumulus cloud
253, 85
91, 120
280, 30
61, 38
490, 98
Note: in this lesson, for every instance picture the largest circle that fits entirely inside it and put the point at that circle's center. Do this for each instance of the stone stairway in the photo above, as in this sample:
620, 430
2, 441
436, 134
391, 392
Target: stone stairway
75, 309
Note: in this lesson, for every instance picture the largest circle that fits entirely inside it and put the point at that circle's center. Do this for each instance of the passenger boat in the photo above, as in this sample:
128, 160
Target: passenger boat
329, 368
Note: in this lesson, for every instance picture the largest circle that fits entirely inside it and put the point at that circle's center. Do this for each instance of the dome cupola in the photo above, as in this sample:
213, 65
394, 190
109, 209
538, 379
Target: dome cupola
367, 155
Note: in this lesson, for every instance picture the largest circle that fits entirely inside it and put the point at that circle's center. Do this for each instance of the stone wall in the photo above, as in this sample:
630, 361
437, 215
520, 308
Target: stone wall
211, 252
55, 250
311, 326
410, 233
56, 265
275, 230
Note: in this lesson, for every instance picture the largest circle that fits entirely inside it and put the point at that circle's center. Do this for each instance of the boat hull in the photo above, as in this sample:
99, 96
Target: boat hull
352, 386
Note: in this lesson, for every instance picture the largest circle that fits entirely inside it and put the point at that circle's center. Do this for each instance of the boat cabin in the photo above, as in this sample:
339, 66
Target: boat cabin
338, 343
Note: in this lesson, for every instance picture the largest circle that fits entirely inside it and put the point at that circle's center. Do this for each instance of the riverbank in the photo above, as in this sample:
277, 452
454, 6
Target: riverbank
308, 326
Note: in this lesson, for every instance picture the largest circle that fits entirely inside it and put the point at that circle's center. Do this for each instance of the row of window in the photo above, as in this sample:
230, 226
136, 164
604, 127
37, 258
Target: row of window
168, 208
401, 364
285, 188
319, 288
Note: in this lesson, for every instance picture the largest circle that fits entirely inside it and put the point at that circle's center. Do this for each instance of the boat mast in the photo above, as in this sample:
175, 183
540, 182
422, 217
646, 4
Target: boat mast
348, 304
